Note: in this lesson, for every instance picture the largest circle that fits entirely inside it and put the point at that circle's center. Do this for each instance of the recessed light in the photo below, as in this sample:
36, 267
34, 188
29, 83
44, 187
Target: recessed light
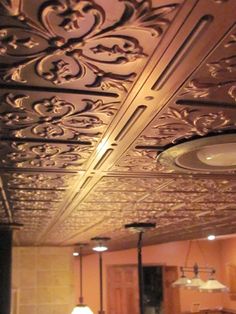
211, 237
75, 253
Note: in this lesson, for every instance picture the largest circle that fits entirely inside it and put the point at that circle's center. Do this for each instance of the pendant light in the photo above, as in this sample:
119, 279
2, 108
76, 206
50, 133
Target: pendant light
182, 281
195, 282
81, 308
100, 247
213, 285
140, 228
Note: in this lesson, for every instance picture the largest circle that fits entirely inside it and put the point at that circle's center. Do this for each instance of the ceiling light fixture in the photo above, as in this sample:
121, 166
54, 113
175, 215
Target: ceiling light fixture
100, 247
196, 283
140, 228
81, 308
213, 285
182, 280
211, 237
208, 154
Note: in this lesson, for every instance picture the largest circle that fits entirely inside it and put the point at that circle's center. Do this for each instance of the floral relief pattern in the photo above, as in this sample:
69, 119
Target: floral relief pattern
55, 118
222, 76
46, 155
183, 123
40, 181
62, 49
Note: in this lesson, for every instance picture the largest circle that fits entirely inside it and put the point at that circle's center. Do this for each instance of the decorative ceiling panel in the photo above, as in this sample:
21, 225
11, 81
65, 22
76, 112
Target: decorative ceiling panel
93, 45
163, 204
90, 93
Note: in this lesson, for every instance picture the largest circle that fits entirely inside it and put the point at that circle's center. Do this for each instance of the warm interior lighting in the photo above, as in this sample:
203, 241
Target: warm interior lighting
100, 248
195, 283
211, 237
181, 282
213, 285
81, 309
100, 244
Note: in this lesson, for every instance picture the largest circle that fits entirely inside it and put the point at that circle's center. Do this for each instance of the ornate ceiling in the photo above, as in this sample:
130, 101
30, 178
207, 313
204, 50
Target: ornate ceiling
91, 92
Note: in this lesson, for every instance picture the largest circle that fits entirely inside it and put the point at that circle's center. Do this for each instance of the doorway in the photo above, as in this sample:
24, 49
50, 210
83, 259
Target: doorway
159, 296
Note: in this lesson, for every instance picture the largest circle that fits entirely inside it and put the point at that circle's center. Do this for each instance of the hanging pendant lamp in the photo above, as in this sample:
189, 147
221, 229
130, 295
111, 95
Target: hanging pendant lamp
181, 281
100, 247
213, 285
81, 308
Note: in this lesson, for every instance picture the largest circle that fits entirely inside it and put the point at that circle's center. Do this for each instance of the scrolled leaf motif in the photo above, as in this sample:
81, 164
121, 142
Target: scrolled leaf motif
11, 42
66, 58
185, 123
56, 118
47, 155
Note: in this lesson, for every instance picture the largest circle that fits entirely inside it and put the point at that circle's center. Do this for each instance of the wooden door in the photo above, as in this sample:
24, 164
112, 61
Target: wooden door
122, 284
171, 295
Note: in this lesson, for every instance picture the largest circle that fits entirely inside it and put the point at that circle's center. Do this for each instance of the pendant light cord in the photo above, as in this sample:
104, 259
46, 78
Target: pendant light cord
101, 282
81, 277
140, 273
188, 253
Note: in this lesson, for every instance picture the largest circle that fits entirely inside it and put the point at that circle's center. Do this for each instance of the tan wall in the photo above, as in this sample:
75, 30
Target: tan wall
44, 278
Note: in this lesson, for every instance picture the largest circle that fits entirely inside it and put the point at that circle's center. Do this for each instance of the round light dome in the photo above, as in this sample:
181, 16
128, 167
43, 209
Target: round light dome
209, 154
219, 155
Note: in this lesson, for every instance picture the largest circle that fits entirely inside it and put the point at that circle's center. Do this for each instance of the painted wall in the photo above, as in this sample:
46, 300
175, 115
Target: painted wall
228, 257
48, 278
44, 278
171, 254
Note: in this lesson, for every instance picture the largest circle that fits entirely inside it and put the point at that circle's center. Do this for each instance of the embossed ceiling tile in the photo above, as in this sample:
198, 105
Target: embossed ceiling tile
114, 197
220, 197
83, 207
33, 205
55, 116
131, 184
198, 185
38, 180
171, 197
90, 45
139, 160
179, 122
44, 155
206, 104
215, 79
23, 195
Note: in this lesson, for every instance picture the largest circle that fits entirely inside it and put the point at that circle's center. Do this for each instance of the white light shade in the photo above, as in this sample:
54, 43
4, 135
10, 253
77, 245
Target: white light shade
75, 253
213, 285
100, 248
195, 283
81, 309
181, 282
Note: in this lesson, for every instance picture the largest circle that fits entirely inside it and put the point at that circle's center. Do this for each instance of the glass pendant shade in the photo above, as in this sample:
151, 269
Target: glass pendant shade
213, 285
81, 309
195, 283
181, 282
